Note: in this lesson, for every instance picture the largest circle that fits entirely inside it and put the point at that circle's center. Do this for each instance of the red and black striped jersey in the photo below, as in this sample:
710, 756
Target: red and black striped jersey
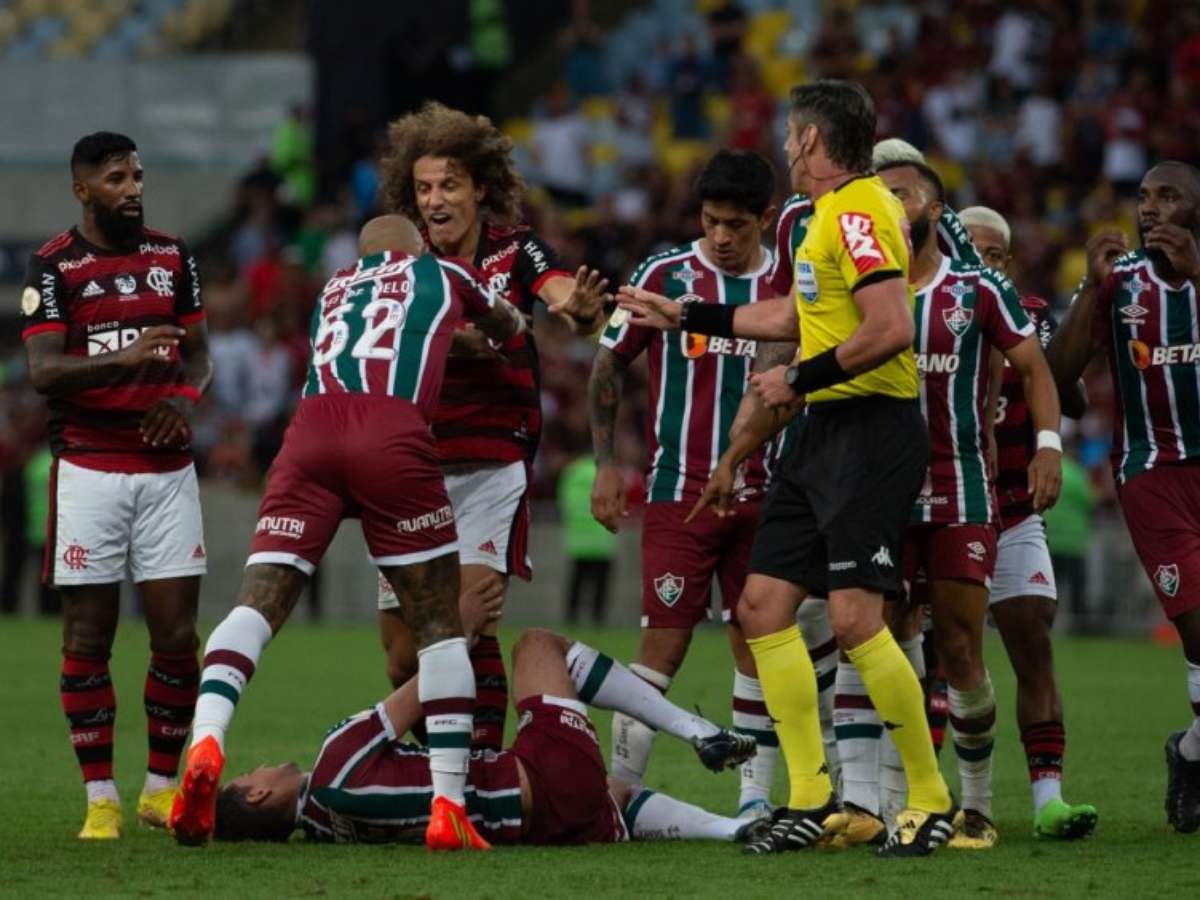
489, 410
367, 787
101, 301
1014, 427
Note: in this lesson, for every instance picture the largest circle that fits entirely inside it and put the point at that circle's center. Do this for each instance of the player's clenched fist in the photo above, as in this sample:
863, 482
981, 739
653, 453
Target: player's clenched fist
1102, 250
157, 344
608, 497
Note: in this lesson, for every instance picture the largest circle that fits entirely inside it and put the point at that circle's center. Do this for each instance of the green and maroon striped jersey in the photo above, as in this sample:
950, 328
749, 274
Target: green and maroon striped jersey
961, 315
367, 787
1151, 332
696, 382
384, 325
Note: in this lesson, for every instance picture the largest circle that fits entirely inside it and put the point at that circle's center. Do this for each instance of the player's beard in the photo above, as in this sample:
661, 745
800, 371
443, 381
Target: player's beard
117, 227
918, 231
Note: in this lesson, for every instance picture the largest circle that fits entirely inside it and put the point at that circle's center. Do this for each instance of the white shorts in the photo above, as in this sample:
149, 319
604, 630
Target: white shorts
1023, 567
109, 525
491, 521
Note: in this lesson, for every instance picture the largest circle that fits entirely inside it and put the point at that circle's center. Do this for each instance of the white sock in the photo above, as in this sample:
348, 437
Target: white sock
631, 745
750, 717
230, 658
1189, 746
651, 816
973, 717
893, 785
155, 783
1045, 790
102, 789
446, 689
813, 619
858, 729
602, 681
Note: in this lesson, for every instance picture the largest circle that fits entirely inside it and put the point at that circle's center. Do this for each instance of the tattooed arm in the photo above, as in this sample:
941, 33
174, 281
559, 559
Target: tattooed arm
604, 399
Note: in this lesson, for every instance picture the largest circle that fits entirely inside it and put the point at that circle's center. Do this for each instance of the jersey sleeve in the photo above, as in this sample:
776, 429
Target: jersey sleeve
954, 239
795, 216
536, 263
620, 335
43, 299
1042, 317
478, 299
348, 741
1002, 318
188, 307
868, 245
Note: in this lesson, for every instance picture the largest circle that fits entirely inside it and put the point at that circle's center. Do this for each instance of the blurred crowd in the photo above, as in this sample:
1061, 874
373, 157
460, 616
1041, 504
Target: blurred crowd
1047, 110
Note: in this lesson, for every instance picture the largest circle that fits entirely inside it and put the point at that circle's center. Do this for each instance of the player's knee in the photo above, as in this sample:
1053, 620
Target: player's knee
86, 639
958, 653
534, 639
853, 623
179, 638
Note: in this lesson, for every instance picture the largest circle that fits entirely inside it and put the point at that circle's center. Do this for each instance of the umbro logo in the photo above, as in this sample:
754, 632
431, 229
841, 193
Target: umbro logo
92, 290
883, 557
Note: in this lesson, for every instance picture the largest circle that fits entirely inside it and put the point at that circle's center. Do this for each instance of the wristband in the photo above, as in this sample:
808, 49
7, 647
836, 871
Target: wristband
821, 371
1049, 440
191, 393
714, 319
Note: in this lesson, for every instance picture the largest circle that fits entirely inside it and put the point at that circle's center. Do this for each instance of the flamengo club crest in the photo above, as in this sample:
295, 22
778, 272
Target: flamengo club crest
1167, 579
161, 281
669, 588
958, 319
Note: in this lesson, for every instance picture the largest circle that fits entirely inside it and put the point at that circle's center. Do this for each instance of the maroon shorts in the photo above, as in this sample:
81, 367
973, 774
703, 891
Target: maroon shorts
961, 552
679, 562
1162, 510
560, 754
355, 456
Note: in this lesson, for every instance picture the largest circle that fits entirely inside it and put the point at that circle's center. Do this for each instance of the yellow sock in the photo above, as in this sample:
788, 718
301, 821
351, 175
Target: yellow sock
789, 687
896, 693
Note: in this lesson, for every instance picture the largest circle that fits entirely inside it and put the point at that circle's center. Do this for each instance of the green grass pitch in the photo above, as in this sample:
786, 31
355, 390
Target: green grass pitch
1122, 699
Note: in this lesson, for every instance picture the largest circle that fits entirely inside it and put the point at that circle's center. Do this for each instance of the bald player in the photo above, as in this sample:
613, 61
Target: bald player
360, 446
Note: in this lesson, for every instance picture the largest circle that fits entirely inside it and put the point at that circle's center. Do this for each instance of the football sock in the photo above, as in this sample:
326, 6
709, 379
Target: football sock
858, 730
632, 739
973, 717
937, 707
813, 619
1045, 745
230, 657
1189, 746
446, 689
172, 683
90, 704
635, 691
491, 693
893, 687
750, 717
790, 689
893, 787
652, 816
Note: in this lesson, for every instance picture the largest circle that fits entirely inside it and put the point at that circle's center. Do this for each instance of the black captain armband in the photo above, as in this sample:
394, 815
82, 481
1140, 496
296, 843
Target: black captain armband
822, 371
714, 319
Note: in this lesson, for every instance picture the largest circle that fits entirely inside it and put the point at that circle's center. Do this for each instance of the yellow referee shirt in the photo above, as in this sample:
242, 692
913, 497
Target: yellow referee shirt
858, 234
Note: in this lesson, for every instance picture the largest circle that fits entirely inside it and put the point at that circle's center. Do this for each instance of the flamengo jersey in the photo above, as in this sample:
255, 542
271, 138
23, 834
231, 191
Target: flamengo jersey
383, 326
1015, 441
961, 315
858, 235
696, 381
367, 787
102, 300
1152, 334
490, 411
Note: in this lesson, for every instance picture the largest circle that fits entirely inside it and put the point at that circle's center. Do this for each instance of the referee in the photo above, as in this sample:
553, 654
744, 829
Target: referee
833, 522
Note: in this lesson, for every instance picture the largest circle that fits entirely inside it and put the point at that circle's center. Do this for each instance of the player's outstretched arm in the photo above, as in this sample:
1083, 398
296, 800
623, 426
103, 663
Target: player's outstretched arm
56, 373
1074, 344
1045, 469
766, 320
604, 399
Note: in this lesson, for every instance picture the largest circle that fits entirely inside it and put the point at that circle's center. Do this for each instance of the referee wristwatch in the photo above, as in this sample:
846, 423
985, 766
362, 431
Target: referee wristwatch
792, 378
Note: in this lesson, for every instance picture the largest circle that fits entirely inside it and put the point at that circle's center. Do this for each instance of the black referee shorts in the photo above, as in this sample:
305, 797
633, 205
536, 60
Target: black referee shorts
836, 512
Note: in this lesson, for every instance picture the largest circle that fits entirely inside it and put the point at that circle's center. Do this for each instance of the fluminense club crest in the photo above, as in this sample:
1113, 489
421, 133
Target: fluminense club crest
958, 319
686, 274
1167, 579
669, 588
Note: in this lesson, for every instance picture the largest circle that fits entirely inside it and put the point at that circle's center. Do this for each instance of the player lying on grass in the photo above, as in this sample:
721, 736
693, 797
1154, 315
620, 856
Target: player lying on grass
549, 787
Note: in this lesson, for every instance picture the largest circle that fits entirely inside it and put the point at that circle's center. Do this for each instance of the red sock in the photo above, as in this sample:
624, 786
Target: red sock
172, 682
937, 708
491, 693
1045, 744
90, 703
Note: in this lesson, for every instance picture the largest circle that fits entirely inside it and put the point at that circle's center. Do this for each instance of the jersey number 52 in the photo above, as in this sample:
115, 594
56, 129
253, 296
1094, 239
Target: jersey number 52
334, 331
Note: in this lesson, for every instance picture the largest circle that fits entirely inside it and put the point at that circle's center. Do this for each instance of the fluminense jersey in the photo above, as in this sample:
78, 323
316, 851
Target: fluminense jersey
367, 787
101, 301
1015, 440
961, 315
383, 326
1151, 332
696, 381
